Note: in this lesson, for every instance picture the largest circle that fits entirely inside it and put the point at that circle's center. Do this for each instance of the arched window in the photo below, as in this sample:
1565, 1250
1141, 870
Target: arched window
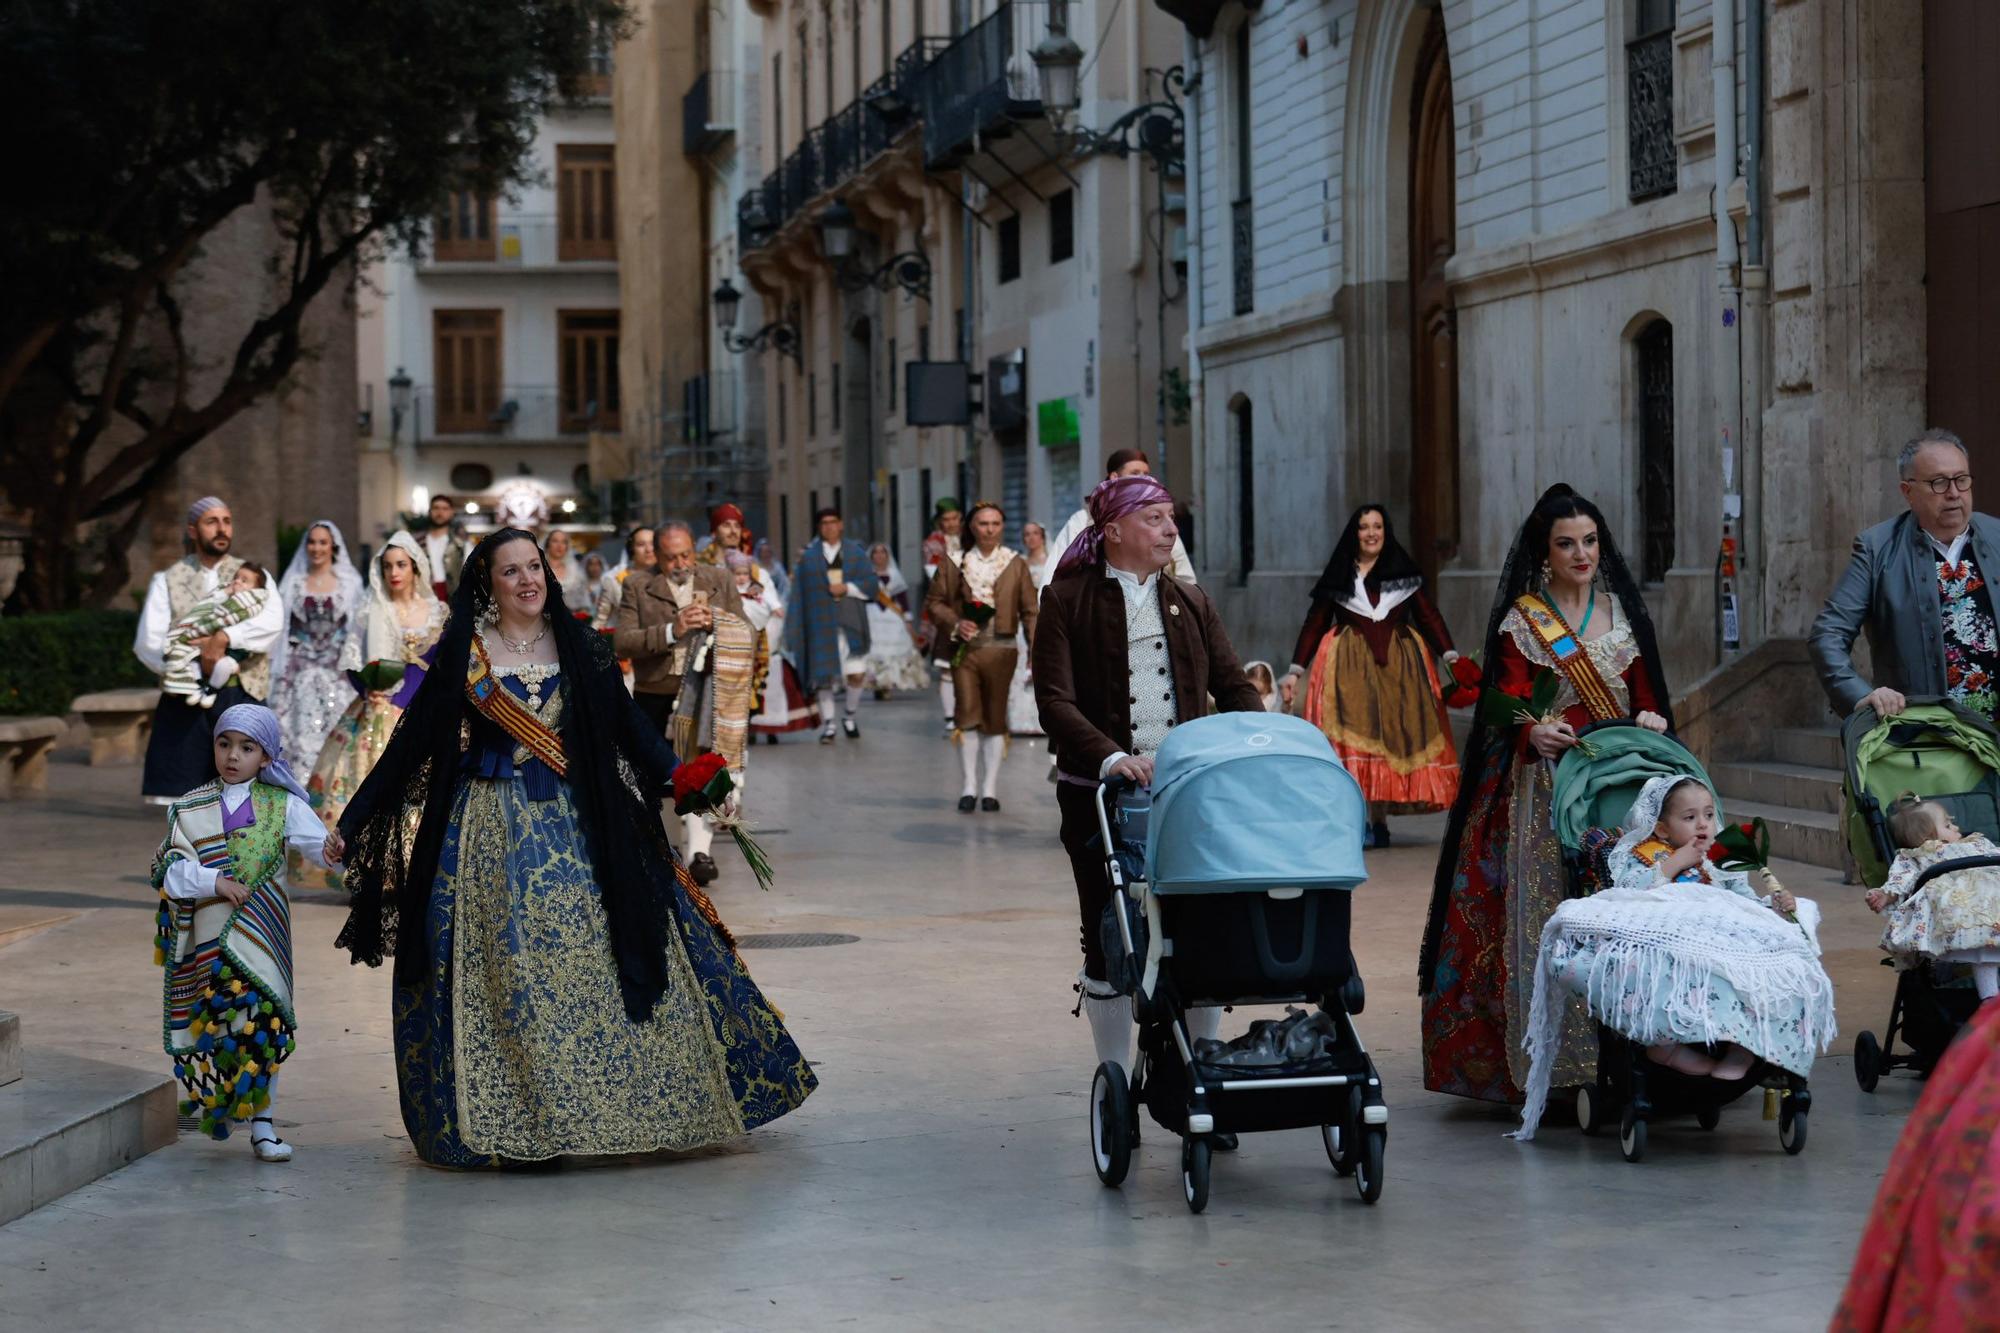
1246, 491
1655, 346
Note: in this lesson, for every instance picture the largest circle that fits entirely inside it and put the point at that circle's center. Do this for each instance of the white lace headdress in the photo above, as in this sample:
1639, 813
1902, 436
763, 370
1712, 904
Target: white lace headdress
292, 586
1644, 815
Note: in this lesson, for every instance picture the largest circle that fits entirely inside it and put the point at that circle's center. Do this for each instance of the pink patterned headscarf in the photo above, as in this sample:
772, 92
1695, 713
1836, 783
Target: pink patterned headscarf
1114, 498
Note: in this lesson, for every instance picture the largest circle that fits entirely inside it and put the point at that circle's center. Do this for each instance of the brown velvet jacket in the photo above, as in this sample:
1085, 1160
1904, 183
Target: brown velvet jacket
1014, 602
646, 611
1083, 676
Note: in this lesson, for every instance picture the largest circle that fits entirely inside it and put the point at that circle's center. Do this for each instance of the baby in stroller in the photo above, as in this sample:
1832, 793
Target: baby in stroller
1954, 916
1709, 966
1675, 851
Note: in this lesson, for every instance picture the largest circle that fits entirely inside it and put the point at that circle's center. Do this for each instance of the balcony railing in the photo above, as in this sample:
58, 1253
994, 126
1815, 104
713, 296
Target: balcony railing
981, 80
521, 241
521, 414
1243, 256
835, 151
708, 112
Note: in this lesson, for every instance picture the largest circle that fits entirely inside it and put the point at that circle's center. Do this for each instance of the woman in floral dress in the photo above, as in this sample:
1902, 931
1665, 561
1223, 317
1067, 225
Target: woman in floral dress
321, 592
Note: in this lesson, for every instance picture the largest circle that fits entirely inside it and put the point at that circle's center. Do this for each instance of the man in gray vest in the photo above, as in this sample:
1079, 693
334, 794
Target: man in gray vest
1918, 585
180, 755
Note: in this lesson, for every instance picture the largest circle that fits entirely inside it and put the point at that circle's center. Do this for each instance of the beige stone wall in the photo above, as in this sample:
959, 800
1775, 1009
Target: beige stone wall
661, 222
1846, 339
286, 460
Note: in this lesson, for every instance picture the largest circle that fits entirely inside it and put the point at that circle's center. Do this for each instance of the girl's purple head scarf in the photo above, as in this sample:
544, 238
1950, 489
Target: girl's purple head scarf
260, 724
1114, 498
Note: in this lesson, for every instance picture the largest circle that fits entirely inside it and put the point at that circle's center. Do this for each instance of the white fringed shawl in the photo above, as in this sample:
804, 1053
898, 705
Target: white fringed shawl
1681, 935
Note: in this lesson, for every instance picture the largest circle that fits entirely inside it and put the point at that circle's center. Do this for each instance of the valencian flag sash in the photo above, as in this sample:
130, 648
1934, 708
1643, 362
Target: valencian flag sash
1555, 635
508, 713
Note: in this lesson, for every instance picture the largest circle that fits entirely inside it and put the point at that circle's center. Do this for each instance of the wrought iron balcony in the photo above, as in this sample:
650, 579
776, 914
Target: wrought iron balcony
834, 152
1243, 256
966, 89
708, 113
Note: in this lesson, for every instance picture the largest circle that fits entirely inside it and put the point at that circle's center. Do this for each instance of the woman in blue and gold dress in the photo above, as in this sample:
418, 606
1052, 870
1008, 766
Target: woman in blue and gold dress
561, 986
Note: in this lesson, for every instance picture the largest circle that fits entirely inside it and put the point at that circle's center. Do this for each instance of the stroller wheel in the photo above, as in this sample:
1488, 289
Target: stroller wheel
1632, 1137
1792, 1127
1368, 1164
1194, 1172
1867, 1061
1111, 1124
1340, 1138
1590, 1110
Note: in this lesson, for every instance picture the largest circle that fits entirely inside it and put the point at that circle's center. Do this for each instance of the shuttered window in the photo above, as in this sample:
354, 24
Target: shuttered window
464, 231
589, 370
466, 354
586, 202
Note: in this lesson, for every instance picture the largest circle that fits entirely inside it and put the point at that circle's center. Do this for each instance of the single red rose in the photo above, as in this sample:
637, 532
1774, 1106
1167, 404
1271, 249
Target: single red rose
695, 775
1717, 853
1467, 673
1749, 828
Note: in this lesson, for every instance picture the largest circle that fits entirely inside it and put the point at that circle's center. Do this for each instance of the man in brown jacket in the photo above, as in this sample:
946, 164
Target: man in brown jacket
989, 575
659, 608
1122, 655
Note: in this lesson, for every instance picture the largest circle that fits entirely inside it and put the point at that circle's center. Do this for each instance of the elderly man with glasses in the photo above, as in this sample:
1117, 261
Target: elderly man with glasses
1919, 586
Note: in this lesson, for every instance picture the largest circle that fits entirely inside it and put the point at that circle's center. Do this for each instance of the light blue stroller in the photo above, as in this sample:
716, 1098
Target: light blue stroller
1233, 888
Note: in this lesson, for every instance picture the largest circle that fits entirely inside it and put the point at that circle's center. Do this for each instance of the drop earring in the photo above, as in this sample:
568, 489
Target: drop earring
489, 611
1548, 575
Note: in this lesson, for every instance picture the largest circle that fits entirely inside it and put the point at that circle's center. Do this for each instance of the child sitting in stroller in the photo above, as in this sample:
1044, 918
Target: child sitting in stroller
1675, 851
1955, 917
1706, 966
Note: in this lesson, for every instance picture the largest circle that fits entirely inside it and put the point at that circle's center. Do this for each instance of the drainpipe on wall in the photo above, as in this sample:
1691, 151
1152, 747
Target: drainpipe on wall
1192, 91
1729, 340
1757, 321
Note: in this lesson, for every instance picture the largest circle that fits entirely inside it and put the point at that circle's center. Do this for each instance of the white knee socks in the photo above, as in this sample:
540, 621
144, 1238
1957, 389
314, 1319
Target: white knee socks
698, 836
994, 748
968, 761
1986, 977
826, 708
948, 694
1111, 1029
850, 699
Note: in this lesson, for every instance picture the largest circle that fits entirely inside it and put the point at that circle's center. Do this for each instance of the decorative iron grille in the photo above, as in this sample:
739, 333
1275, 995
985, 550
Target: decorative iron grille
1656, 448
1243, 259
1649, 114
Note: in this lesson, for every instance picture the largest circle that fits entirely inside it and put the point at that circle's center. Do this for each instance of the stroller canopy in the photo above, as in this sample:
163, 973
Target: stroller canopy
1598, 793
1935, 748
1252, 801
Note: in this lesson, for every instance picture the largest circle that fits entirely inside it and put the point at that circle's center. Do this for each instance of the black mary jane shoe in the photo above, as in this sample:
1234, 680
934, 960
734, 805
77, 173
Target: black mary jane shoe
826, 737
967, 804
990, 804
702, 868
847, 726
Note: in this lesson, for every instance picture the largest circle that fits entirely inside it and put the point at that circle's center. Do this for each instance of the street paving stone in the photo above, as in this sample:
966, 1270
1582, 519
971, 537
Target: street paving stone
941, 1174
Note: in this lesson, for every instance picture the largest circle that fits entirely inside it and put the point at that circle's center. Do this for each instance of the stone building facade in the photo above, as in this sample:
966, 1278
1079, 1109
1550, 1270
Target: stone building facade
1444, 255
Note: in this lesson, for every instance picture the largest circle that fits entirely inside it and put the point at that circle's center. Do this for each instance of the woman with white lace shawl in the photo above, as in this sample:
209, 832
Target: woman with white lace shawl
1680, 953
321, 592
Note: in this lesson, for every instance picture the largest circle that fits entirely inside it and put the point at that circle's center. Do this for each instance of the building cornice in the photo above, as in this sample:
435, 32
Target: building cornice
1311, 319
1658, 231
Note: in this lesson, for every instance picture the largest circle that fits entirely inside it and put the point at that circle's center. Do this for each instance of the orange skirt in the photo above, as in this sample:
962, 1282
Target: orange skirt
1387, 723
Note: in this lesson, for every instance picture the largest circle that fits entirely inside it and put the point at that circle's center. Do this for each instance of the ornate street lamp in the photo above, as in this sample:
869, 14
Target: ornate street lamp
1156, 129
780, 335
910, 270
1057, 60
400, 388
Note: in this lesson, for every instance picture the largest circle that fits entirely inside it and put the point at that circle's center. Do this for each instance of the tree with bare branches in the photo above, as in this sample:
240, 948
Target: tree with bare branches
140, 131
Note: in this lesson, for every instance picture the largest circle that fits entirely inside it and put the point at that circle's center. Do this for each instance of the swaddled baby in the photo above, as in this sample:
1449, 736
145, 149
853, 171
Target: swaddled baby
1956, 916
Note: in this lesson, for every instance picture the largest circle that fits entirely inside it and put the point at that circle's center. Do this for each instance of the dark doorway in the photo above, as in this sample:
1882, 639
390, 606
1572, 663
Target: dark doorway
1246, 492
1655, 347
1434, 514
1962, 221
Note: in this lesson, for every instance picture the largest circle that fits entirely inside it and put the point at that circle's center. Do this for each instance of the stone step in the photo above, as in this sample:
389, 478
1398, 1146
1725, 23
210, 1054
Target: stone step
10, 1048
68, 1121
1812, 836
1815, 747
1775, 783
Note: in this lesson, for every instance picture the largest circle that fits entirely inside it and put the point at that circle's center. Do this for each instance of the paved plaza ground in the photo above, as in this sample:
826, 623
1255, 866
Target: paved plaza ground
940, 1176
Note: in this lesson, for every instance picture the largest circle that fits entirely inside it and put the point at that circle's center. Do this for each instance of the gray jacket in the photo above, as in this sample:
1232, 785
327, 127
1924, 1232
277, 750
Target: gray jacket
1890, 590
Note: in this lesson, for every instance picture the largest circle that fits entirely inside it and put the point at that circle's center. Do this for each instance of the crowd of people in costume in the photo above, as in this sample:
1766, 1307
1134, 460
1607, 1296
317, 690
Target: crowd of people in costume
476, 742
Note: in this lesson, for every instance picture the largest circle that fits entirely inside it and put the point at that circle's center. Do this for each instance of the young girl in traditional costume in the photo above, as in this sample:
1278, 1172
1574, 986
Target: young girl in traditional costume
1681, 956
1956, 916
225, 927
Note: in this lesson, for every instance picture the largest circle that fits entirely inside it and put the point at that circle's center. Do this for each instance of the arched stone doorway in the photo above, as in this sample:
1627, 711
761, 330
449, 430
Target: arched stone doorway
1434, 503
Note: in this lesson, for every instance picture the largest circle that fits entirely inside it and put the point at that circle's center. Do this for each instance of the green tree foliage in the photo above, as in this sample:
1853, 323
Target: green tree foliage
138, 129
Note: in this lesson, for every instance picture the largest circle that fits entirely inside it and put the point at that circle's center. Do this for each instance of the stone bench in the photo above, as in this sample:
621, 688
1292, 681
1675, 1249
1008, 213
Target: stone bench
118, 722
25, 743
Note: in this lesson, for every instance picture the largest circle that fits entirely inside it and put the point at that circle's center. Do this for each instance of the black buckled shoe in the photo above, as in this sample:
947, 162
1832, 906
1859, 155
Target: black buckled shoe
990, 804
967, 804
702, 869
853, 732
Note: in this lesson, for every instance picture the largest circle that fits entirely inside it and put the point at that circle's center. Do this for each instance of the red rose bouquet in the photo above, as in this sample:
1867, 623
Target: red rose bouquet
702, 787
1497, 708
1746, 847
1466, 679
980, 614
